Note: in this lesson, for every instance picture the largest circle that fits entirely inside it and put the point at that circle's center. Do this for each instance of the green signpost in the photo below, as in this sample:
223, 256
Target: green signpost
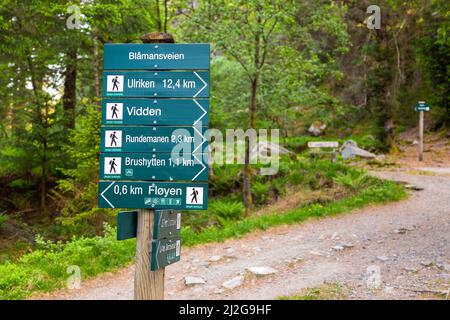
152, 195
156, 56
126, 225
422, 106
184, 112
163, 84
165, 252
152, 139
153, 166
155, 112
167, 224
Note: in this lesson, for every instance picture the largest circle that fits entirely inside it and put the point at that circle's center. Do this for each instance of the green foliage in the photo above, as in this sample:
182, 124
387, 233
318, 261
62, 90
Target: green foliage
324, 292
260, 192
227, 210
78, 191
46, 268
226, 179
3, 219
434, 49
353, 179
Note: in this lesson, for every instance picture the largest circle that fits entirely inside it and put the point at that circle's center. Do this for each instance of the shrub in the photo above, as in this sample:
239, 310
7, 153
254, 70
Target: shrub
3, 219
353, 179
260, 192
229, 210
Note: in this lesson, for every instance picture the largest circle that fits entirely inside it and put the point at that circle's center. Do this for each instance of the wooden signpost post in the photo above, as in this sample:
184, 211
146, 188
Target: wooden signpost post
420, 107
152, 147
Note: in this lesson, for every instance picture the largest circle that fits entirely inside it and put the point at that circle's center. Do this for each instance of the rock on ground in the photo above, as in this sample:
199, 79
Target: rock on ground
262, 271
192, 281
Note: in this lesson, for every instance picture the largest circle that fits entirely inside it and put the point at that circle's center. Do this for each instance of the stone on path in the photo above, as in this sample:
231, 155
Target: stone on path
192, 281
426, 263
411, 269
262, 271
233, 283
413, 187
342, 246
218, 291
215, 258
383, 258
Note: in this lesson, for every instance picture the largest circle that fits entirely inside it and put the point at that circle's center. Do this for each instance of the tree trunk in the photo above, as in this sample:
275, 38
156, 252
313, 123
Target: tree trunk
247, 179
158, 17
70, 87
44, 162
165, 16
96, 70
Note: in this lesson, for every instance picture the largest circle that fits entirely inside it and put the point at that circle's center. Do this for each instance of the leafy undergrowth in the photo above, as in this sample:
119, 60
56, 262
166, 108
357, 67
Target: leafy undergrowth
328, 291
45, 269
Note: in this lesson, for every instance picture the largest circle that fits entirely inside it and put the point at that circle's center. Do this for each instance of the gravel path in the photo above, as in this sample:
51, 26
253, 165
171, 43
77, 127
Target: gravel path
404, 245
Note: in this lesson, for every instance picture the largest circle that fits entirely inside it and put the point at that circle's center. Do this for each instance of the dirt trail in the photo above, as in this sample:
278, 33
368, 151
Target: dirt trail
408, 241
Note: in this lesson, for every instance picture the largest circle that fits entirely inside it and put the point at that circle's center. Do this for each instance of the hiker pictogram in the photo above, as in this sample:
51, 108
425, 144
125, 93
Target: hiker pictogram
114, 110
113, 137
112, 165
116, 83
194, 195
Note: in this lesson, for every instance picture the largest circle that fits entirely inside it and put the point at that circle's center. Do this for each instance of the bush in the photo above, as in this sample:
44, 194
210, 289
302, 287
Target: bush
46, 268
229, 210
260, 192
354, 180
3, 219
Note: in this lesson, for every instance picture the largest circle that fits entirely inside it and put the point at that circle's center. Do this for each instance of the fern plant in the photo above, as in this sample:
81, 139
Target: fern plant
353, 180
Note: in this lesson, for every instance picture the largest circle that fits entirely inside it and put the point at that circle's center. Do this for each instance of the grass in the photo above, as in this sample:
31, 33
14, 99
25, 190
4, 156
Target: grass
329, 291
45, 269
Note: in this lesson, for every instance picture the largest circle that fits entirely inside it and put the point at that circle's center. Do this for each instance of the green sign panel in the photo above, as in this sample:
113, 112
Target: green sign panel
165, 252
422, 106
156, 56
153, 167
188, 112
163, 84
126, 225
152, 195
167, 224
152, 139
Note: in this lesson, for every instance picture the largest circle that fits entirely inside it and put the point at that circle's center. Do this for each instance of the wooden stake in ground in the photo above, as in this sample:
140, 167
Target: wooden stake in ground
148, 285
420, 135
